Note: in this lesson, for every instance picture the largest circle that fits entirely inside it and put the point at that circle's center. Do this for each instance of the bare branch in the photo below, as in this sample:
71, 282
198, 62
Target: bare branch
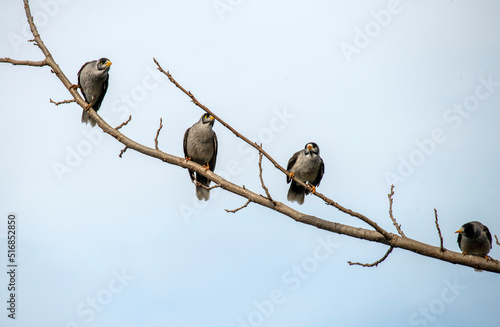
238, 209
375, 264
378, 235
496, 238
124, 123
261, 179
384, 233
61, 102
158, 134
25, 62
439, 230
195, 182
123, 151
398, 227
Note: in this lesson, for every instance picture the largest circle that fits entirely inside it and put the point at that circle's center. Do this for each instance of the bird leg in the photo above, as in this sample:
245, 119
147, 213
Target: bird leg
313, 188
207, 166
188, 159
291, 175
74, 86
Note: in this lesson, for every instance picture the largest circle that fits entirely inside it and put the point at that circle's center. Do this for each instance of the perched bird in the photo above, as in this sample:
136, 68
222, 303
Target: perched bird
474, 238
307, 166
93, 81
200, 146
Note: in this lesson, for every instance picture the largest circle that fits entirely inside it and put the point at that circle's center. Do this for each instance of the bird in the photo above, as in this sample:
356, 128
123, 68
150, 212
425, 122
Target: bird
200, 146
307, 166
474, 238
93, 81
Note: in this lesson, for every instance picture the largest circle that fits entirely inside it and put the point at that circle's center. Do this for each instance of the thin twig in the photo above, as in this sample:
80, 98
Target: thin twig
157, 134
25, 62
123, 151
262, 179
124, 123
195, 182
496, 238
62, 102
439, 229
375, 264
238, 209
388, 236
398, 227
379, 235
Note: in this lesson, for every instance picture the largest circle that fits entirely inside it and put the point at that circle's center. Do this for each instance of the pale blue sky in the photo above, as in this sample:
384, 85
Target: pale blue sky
405, 92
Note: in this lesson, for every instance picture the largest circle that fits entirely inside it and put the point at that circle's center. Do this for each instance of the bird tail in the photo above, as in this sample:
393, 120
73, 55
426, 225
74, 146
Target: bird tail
201, 192
296, 193
87, 119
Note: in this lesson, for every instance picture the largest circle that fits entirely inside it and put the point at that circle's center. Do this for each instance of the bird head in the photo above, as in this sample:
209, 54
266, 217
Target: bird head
468, 230
208, 119
311, 147
103, 63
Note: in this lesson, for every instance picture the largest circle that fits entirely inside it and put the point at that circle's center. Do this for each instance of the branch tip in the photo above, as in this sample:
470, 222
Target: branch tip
123, 151
439, 230
124, 123
61, 102
398, 227
158, 133
238, 209
375, 264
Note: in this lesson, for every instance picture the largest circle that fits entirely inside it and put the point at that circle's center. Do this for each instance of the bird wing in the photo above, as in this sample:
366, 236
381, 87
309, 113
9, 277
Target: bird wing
321, 171
459, 240
291, 162
184, 144
79, 83
213, 160
99, 99
488, 234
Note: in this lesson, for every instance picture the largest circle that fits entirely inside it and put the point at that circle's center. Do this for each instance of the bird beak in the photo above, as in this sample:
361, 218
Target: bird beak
460, 230
108, 63
212, 117
309, 146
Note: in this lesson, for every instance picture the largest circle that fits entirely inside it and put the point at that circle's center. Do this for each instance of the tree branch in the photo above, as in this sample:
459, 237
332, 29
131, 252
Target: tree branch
439, 230
123, 151
262, 180
124, 123
25, 62
158, 134
379, 235
61, 102
496, 239
376, 263
398, 227
238, 209
328, 201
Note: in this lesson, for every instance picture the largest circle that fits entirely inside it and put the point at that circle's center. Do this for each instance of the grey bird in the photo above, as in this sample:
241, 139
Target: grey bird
93, 81
474, 238
307, 166
200, 146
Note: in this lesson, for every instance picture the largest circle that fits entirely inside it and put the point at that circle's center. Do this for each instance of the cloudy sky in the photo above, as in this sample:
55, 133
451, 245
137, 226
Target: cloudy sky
403, 93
